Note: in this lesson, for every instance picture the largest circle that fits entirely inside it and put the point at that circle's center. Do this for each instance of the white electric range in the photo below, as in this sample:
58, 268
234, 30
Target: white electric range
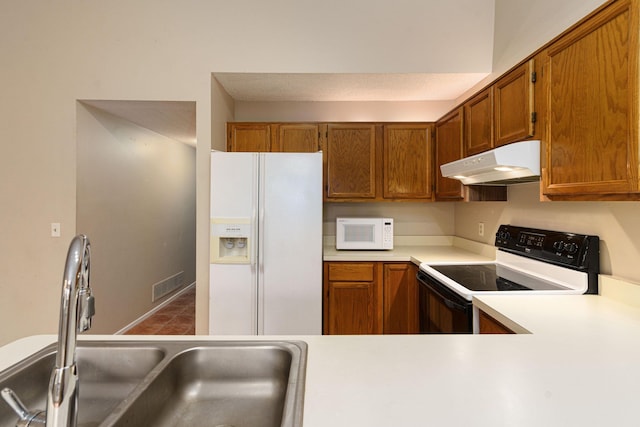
528, 261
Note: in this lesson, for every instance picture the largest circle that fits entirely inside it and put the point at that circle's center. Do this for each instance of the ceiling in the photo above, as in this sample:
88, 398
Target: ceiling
173, 119
177, 119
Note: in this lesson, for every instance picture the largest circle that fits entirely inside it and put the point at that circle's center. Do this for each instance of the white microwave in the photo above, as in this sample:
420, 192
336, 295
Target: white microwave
364, 233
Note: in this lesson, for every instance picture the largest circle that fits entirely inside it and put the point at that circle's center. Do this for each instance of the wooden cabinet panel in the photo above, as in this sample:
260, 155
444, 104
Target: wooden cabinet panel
400, 299
592, 106
351, 161
478, 119
249, 137
351, 271
489, 325
407, 161
352, 305
514, 107
449, 133
298, 138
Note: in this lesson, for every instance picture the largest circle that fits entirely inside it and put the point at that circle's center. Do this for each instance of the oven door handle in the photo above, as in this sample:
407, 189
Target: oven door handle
452, 305
423, 278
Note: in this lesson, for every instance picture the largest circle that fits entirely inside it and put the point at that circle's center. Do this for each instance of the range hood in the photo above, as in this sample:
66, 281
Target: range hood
509, 164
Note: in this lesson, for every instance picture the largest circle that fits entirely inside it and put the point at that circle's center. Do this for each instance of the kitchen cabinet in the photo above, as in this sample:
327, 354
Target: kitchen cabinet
407, 161
249, 137
478, 123
379, 162
299, 137
449, 134
590, 107
351, 161
489, 325
352, 298
275, 137
400, 298
513, 101
370, 298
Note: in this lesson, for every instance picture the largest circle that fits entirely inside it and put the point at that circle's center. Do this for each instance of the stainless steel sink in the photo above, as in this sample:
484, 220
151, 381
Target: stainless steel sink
169, 383
108, 374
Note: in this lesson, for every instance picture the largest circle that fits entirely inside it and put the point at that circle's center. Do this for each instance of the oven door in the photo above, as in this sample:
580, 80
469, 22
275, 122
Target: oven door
441, 309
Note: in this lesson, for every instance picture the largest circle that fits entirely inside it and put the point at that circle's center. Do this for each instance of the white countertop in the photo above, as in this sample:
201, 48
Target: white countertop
417, 250
579, 366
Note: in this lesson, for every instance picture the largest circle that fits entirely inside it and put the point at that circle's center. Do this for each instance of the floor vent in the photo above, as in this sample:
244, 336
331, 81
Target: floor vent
167, 286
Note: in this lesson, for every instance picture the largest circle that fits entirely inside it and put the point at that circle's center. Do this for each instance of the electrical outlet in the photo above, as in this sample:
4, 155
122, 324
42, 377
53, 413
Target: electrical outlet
55, 229
481, 229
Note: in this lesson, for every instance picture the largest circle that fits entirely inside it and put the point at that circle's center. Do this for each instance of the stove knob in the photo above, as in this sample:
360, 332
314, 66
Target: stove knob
558, 246
572, 248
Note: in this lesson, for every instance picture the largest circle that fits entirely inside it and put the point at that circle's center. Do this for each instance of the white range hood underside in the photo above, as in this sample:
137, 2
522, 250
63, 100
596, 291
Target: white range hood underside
510, 164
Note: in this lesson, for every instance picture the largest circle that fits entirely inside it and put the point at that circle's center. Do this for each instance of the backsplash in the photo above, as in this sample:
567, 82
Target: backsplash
409, 219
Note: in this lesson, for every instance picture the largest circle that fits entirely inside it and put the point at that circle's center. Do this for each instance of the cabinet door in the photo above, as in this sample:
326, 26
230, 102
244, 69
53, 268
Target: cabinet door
478, 119
298, 138
449, 134
249, 137
407, 161
352, 295
592, 106
400, 299
351, 161
489, 325
513, 104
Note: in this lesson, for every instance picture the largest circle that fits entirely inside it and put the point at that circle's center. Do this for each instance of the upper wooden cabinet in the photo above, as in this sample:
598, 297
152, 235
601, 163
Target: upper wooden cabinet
478, 123
407, 161
351, 161
513, 102
591, 107
449, 134
377, 162
298, 138
249, 137
265, 137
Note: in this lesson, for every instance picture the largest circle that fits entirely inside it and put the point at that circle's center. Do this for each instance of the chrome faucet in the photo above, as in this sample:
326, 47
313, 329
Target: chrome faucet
76, 310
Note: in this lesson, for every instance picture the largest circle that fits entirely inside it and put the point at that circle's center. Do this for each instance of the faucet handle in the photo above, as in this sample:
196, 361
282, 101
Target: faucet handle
86, 310
26, 418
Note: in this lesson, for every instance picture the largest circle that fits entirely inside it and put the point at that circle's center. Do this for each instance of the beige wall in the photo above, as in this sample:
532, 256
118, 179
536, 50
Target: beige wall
409, 219
54, 53
136, 200
615, 222
417, 111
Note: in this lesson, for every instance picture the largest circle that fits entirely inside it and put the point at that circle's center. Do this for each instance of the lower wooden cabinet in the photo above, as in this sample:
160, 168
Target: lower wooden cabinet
370, 298
489, 325
400, 298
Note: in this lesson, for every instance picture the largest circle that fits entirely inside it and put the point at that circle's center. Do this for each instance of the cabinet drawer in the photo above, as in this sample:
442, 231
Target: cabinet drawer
352, 272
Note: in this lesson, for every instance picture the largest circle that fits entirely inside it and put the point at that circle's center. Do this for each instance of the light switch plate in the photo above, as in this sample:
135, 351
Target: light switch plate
55, 229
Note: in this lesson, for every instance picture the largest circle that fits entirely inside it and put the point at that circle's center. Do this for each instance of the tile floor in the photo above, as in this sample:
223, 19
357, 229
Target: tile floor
176, 318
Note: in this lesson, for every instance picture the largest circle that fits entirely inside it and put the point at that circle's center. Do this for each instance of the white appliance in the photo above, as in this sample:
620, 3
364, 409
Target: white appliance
266, 243
508, 164
364, 233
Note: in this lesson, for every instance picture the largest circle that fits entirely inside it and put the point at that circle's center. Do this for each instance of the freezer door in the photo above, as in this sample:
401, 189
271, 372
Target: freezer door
290, 240
233, 287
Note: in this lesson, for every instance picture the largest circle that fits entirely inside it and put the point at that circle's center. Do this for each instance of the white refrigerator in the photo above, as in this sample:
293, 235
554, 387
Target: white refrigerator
266, 244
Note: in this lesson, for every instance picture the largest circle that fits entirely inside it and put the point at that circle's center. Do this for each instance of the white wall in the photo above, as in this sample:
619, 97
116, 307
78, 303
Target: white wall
136, 200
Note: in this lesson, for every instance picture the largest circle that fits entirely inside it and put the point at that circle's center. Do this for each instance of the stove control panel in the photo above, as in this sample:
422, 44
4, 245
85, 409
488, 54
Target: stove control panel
577, 251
